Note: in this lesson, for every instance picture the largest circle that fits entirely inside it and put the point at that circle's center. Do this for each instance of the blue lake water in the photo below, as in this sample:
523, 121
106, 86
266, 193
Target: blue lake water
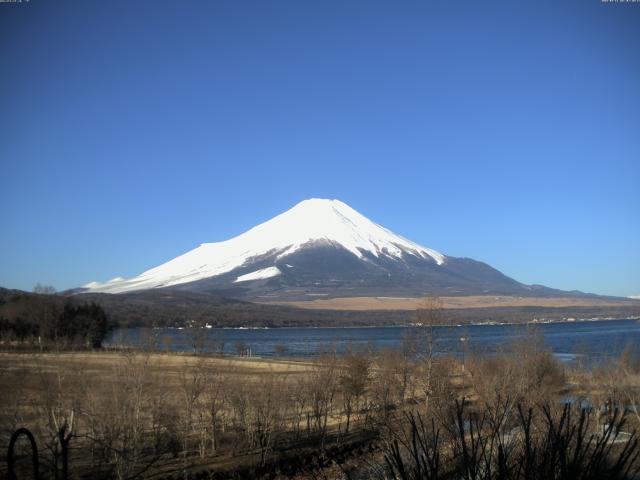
591, 339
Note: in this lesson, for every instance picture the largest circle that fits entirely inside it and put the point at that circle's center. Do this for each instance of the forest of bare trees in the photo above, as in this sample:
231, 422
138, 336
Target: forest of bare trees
131, 414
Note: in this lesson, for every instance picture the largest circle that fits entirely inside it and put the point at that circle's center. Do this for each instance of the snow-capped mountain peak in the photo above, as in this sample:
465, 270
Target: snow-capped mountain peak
334, 221
308, 222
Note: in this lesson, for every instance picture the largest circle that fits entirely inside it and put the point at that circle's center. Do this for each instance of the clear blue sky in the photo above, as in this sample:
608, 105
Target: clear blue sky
508, 132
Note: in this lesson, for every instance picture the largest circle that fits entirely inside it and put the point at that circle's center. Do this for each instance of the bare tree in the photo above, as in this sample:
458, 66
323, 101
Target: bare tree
241, 348
268, 412
192, 386
115, 412
280, 349
387, 386
323, 387
196, 334
616, 383
299, 393
353, 380
44, 289
427, 319
213, 401
524, 373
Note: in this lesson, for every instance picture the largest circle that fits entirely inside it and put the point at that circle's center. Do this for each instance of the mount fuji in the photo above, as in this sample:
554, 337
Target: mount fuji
321, 248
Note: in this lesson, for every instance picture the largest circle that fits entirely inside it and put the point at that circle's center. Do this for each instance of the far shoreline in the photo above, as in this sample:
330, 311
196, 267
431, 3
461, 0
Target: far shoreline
456, 325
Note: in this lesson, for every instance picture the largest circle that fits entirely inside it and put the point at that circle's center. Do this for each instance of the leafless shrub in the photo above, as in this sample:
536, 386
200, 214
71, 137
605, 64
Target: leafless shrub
561, 447
524, 372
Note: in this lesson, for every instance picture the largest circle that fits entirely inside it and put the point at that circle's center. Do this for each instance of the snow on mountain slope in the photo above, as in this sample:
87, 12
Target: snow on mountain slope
309, 221
259, 274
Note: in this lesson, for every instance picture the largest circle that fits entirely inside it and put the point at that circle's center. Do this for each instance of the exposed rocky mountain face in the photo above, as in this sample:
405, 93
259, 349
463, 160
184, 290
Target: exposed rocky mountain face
321, 248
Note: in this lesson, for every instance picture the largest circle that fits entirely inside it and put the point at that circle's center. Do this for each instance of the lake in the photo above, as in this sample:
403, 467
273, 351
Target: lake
568, 340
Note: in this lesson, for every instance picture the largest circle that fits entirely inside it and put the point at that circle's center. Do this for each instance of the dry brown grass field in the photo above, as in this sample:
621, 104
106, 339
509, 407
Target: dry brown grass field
185, 412
144, 414
476, 301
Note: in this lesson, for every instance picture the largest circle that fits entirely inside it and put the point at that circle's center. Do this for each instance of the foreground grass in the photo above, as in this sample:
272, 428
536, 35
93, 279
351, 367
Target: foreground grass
187, 412
145, 414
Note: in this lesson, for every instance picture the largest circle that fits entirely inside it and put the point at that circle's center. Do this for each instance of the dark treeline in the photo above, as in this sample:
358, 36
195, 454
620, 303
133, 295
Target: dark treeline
176, 308
45, 320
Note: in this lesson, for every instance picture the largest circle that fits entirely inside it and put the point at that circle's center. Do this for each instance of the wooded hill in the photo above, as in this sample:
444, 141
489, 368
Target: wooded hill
169, 307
